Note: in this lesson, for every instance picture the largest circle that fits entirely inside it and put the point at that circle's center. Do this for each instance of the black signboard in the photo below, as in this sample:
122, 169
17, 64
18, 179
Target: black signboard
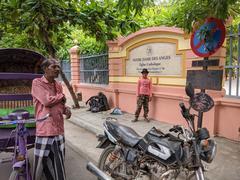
201, 79
200, 63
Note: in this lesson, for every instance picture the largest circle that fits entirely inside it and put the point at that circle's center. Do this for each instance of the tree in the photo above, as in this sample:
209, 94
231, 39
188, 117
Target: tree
155, 16
133, 6
88, 45
40, 20
192, 12
186, 13
44, 21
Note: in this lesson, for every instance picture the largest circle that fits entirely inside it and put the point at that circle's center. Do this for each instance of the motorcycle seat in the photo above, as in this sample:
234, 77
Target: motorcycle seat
124, 134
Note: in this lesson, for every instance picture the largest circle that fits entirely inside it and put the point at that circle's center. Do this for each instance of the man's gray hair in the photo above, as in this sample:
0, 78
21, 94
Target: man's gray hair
48, 62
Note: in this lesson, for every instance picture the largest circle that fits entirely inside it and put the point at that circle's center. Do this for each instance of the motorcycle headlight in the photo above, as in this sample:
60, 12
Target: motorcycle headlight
208, 150
202, 133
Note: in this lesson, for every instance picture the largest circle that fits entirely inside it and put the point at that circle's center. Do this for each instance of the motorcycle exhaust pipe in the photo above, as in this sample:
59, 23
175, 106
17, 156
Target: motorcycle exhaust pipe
97, 172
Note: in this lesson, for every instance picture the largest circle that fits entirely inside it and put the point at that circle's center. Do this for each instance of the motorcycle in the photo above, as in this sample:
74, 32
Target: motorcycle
165, 156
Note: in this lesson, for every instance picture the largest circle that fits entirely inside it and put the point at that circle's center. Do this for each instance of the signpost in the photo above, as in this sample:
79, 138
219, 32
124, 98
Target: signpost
205, 41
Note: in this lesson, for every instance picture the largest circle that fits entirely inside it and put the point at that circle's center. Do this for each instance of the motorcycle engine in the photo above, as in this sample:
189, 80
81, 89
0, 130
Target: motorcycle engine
153, 170
157, 170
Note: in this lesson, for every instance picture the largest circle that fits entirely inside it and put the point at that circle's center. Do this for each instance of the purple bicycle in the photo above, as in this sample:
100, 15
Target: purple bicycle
21, 165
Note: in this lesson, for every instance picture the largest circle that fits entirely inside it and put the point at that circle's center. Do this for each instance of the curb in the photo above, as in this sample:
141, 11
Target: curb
80, 152
88, 126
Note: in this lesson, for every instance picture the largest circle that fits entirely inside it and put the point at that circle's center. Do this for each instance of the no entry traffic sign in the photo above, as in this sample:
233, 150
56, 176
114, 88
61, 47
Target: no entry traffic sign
208, 38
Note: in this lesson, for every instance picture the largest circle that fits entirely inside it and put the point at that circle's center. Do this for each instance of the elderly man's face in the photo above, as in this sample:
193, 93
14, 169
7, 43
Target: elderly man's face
53, 70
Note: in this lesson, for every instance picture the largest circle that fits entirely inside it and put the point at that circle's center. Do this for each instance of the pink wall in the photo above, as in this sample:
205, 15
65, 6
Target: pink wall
164, 106
228, 119
223, 120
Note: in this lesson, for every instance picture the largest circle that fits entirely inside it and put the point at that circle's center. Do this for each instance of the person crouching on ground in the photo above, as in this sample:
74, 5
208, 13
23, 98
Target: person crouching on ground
144, 95
48, 98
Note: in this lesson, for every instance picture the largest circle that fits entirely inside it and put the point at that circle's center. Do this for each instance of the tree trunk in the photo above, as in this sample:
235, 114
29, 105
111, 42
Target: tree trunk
70, 89
52, 53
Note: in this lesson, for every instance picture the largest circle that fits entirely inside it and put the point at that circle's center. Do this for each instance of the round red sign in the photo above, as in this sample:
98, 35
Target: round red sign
208, 38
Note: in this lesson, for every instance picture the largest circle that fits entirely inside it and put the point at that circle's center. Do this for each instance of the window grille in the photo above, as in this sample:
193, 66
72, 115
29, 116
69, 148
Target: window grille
94, 69
233, 63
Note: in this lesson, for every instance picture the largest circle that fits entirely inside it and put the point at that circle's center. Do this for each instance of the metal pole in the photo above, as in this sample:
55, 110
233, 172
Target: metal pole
200, 114
238, 59
230, 69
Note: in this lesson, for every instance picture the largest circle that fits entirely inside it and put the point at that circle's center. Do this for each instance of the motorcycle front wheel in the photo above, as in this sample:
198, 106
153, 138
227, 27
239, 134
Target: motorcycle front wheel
109, 163
197, 175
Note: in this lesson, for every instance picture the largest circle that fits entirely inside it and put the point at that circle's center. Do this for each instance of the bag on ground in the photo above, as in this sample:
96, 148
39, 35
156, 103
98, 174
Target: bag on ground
98, 103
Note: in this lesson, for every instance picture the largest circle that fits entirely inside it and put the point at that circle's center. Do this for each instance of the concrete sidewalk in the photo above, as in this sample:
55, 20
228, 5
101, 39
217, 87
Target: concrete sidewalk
82, 128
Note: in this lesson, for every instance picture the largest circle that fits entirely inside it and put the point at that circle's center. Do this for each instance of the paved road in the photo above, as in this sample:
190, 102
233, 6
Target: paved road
75, 166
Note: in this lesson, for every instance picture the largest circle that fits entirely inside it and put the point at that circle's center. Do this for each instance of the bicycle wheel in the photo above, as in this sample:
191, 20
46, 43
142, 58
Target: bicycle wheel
14, 175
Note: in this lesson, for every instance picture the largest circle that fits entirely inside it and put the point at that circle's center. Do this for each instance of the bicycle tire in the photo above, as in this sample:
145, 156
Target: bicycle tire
14, 174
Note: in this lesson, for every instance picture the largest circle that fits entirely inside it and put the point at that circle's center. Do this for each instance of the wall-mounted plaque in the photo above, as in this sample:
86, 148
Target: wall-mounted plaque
200, 79
159, 58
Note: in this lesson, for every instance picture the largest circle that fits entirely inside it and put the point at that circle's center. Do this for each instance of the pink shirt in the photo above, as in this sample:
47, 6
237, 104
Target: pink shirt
144, 87
47, 98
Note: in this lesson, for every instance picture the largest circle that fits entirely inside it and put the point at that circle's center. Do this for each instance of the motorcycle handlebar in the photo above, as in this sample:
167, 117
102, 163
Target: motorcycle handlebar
185, 111
176, 129
182, 106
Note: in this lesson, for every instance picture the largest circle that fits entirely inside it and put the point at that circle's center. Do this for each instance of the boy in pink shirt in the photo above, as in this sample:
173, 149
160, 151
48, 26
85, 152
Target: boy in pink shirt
144, 94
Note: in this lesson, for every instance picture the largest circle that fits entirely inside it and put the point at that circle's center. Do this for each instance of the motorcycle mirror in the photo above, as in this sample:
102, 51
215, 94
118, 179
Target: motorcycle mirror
201, 102
189, 90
